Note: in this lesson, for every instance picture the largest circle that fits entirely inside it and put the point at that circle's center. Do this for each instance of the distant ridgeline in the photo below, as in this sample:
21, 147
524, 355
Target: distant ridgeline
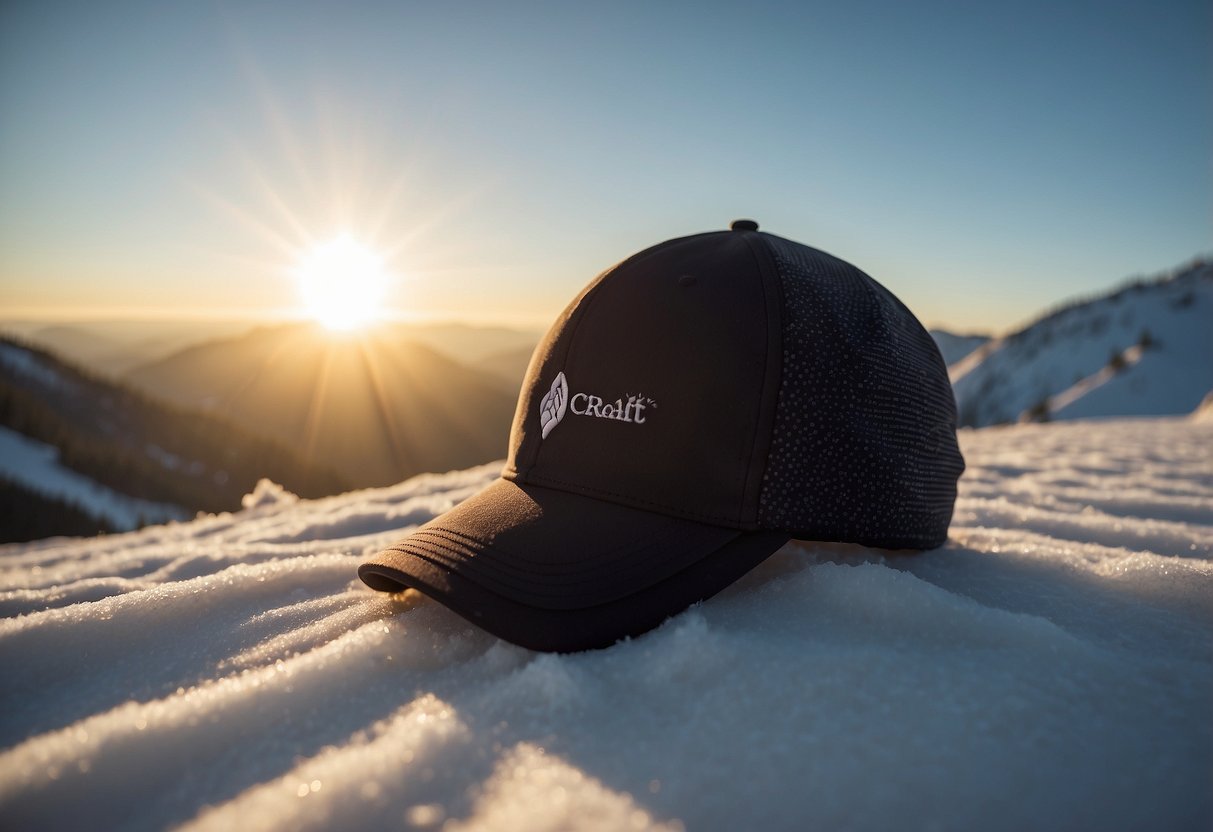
79, 454
377, 407
1144, 349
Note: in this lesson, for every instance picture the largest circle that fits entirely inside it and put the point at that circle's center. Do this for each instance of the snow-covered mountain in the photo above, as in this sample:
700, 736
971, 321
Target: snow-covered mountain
38, 467
1048, 668
954, 347
74, 446
1143, 350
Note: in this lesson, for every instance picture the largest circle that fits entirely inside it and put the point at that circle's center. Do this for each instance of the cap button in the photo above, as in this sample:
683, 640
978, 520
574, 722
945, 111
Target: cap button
744, 225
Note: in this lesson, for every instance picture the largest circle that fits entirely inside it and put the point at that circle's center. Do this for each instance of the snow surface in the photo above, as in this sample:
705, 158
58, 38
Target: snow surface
1050, 667
35, 465
1063, 361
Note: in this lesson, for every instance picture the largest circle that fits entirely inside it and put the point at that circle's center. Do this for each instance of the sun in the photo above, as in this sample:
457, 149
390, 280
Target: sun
342, 283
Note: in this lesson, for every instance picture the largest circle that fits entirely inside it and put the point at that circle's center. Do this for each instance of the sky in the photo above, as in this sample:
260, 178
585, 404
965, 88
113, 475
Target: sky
982, 161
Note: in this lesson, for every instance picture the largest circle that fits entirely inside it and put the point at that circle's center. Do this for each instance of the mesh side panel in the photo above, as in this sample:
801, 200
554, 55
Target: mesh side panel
864, 440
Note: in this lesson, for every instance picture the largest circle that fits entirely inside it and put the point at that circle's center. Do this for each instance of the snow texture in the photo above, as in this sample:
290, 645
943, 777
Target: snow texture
1145, 350
35, 465
1049, 668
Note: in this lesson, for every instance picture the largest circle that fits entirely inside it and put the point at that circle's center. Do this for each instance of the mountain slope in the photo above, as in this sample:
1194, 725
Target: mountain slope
38, 469
954, 347
508, 367
377, 408
1143, 350
120, 457
112, 347
78, 344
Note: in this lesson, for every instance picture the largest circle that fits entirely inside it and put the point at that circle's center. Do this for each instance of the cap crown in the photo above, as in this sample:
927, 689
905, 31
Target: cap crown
678, 338
743, 380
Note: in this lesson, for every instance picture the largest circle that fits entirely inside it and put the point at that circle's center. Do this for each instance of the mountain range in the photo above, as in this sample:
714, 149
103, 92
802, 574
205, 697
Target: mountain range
111, 347
114, 347
375, 407
81, 452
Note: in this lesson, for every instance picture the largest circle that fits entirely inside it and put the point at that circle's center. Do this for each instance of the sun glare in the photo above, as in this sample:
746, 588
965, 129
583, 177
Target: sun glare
342, 283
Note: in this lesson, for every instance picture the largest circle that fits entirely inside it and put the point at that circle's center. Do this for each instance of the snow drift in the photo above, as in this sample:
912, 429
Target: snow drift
1048, 668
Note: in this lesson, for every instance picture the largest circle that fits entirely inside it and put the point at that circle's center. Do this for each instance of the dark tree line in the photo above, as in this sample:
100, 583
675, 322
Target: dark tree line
31, 516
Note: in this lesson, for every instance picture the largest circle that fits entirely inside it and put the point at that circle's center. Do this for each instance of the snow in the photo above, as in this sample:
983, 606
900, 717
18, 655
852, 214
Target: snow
1146, 389
1204, 413
953, 347
35, 465
1063, 361
268, 493
1051, 666
1079, 394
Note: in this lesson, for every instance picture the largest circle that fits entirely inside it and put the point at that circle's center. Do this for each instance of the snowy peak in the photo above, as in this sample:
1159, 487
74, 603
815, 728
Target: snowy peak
1143, 350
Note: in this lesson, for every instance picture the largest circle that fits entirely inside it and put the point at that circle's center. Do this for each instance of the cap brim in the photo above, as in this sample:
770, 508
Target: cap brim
559, 572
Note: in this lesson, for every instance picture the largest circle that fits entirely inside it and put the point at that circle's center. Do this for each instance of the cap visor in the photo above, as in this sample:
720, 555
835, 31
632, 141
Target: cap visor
560, 572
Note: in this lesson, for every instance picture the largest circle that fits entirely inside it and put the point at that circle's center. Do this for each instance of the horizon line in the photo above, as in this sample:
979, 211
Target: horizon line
166, 314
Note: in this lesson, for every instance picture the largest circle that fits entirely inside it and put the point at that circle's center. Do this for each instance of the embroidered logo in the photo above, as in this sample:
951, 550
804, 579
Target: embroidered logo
627, 408
556, 402
554, 405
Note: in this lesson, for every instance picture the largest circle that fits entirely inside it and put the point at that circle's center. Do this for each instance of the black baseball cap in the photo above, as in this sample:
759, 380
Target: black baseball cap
694, 408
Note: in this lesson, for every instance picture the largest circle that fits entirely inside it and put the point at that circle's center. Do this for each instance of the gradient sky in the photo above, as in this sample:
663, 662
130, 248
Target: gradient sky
981, 160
